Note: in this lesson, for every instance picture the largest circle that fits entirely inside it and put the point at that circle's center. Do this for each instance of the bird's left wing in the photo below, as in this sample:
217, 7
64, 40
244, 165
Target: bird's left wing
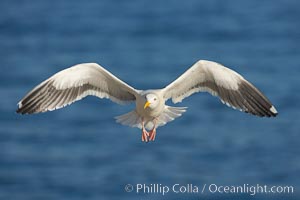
228, 85
73, 84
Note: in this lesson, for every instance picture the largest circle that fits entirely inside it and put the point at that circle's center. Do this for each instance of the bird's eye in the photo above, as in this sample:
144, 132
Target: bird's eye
154, 99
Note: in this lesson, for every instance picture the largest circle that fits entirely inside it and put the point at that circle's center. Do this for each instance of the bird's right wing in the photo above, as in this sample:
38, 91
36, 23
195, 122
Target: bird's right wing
228, 85
75, 83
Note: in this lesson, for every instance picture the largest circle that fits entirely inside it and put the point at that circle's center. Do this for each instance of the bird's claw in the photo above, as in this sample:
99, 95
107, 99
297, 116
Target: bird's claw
152, 134
145, 135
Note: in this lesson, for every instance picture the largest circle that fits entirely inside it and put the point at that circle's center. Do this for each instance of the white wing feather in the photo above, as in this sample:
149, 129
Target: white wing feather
228, 85
75, 83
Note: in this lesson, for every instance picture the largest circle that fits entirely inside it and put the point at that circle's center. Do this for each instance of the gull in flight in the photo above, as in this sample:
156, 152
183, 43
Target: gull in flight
79, 81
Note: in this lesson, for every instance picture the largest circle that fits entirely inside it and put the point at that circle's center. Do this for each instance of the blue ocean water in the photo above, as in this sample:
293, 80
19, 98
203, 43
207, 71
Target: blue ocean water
79, 152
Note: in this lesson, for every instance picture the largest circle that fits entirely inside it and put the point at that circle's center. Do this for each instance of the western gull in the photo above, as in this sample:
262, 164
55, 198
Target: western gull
79, 81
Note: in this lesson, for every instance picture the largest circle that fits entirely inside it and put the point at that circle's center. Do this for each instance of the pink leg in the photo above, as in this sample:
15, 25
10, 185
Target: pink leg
152, 133
145, 134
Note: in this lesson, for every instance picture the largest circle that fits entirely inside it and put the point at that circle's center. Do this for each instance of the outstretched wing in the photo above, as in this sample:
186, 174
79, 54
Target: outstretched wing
73, 84
229, 86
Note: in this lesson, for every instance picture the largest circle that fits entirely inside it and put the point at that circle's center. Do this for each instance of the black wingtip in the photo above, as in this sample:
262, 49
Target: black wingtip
273, 111
19, 111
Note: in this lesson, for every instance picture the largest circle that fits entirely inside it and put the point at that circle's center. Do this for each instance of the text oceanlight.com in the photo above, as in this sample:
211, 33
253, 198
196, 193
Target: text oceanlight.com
208, 188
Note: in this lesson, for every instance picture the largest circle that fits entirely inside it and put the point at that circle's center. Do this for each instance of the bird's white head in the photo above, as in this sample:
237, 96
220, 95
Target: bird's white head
152, 101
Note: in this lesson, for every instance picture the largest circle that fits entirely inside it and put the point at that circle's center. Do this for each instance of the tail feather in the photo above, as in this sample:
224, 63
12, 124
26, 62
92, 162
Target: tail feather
129, 119
169, 114
134, 120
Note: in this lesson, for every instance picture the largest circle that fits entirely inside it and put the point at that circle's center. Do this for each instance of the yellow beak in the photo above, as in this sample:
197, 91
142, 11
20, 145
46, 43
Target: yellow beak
146, 104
